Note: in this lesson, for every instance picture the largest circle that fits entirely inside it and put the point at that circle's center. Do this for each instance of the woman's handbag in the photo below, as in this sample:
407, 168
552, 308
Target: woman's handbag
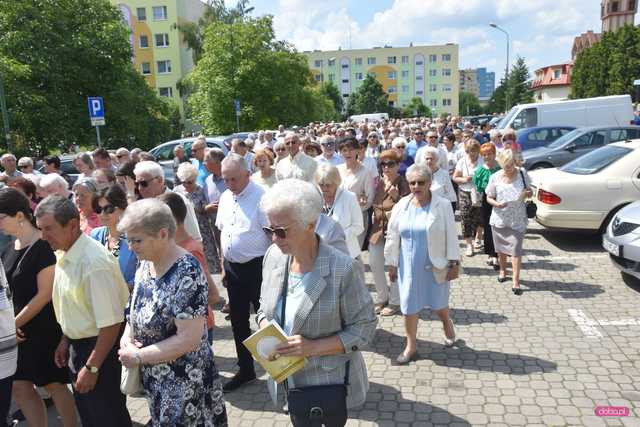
531, 207
130, 380
315, 405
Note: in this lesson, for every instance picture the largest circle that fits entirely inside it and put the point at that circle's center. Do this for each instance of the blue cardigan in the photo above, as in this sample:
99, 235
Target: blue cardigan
127, 259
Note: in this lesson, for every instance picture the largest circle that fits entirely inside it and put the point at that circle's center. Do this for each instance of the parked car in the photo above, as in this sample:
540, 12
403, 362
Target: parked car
601, 111
622, 240
164, 152
540, 136
575, 144
587, 192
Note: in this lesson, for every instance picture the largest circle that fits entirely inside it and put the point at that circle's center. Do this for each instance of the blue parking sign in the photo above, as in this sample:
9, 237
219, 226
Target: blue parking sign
96, 110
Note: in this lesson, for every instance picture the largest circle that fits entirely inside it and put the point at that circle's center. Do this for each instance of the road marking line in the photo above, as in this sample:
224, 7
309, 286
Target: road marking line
586, 325
621, 322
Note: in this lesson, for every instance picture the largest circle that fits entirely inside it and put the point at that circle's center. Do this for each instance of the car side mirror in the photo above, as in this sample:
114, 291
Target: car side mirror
571, 148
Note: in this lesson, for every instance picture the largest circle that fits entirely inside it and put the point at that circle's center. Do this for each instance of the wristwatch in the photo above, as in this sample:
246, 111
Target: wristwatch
92, 369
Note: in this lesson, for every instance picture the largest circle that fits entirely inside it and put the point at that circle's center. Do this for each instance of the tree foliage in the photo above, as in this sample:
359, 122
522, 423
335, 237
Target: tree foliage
370, 97
609, 67
516, 89
331, 91
243, 60
53, 55
469, 104
415, 108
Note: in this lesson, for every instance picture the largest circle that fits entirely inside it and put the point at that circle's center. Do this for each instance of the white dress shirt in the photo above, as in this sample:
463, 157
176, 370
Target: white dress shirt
300, 167
346, 212
335, 160
442, 186
240, 221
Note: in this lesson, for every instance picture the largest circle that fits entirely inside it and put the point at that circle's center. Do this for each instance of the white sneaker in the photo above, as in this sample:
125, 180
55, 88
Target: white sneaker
469, 251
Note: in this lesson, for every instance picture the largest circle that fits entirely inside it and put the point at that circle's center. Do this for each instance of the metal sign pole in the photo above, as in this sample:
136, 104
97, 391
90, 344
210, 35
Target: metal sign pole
98, 136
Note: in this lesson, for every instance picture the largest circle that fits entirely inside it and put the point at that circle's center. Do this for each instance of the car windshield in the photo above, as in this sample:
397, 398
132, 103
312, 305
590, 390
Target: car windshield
564, 138
596, 160
507, 118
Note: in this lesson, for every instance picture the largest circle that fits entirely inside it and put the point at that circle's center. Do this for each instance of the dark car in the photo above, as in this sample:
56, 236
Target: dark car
576, 143
164, 152
540, 136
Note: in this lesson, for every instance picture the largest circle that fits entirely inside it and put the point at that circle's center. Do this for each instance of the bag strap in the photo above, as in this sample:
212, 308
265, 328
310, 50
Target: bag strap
524, 182
285, 290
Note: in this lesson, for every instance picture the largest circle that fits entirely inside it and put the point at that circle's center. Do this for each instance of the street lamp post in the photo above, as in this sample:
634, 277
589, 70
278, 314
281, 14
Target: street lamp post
506, 74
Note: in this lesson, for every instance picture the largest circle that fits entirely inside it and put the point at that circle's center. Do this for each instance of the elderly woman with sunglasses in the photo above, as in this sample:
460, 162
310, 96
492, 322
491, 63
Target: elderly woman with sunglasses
188, 175
400, 144
84, 189
317, 294
109, 204
422, 252
391, 188
281, 150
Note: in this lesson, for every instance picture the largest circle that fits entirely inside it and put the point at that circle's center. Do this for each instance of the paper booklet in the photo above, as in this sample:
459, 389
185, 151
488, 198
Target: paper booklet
262, 346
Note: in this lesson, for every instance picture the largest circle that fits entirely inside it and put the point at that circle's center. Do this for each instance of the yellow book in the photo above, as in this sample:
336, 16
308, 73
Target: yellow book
262, 346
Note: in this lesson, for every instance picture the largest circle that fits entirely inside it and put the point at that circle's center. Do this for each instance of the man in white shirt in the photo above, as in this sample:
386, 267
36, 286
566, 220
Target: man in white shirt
8, 162
329, 155
297, 165
243, 245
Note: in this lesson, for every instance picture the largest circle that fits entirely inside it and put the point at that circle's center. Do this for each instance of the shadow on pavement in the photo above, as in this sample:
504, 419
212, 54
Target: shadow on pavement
547, 265
462, 356
383, 398
463, 316
571, 241
569, 290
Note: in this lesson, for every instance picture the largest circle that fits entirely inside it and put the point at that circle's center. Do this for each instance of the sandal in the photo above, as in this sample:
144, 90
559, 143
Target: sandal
390, 310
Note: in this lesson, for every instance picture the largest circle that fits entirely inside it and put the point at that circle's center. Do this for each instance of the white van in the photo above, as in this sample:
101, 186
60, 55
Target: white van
372, 117
602, 111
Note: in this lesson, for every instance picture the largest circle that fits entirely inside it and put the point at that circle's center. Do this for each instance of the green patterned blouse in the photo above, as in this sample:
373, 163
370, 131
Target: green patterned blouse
481, 177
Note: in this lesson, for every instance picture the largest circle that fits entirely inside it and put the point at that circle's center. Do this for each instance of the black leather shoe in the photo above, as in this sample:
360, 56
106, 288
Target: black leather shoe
403, 360
238, 381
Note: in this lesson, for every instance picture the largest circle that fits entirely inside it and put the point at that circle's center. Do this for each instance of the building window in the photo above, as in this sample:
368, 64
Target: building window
614, 6
418, 77
162, 40
345, 80
433, 88
405, 74
345, 95
164, 67
419, 92
446, 57
145, 67
358, 61
405, 88
446, 102
159, 13
391, 59
391, 75
332, 77
405, 59
446, 72
345, 66
371, 60
632, 5
318, 77
419, 62
317, 63
392, 89
332, 63
166, 92
359, 76
447, 88
433, 73
144, 41
556, 74
141, 13
433, 103
433, 58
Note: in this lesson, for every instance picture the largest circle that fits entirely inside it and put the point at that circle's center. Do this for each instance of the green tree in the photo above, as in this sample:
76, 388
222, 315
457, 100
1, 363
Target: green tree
518, 88
469, 104
497, 101
331, 91
243, 60
416, 107
54, 57
370, 97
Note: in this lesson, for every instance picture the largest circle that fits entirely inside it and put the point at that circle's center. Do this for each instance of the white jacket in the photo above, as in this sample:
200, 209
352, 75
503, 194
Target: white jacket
442, 237
346, 211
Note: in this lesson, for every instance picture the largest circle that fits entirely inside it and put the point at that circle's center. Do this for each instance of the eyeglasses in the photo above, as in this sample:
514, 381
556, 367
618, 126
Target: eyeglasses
432, 137
390, 164
143, 183
107, 209
417, 183
373, 136
119, 156
280, 232
327, 144
420, 133
288, 143
281, 150
401, 146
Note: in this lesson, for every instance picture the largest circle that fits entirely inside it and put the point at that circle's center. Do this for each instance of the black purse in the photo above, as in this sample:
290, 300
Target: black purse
531, 207
319, 405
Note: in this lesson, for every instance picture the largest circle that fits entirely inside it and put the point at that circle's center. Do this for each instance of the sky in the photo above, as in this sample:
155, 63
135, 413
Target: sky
541, 31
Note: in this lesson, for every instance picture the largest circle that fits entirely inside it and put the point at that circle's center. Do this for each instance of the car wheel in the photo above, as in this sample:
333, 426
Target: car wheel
631, 281
541, 166
609, 217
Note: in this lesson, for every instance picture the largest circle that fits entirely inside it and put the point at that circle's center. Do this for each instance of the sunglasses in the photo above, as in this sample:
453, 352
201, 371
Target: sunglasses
401, 146
280, 232
420, 133
388, 164
121, 156
291, 143
281, 150
143, 183
432, 137
417, 183
328, 144
107, 209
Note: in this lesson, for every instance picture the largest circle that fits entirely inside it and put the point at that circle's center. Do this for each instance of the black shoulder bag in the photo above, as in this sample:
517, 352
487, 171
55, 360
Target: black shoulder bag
531, 207
316, 405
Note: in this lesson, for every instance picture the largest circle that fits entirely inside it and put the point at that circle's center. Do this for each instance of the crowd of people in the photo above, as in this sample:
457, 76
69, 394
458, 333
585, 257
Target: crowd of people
113, 272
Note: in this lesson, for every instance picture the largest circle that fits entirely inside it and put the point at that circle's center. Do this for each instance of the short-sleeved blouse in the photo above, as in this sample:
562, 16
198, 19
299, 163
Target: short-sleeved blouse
514, 215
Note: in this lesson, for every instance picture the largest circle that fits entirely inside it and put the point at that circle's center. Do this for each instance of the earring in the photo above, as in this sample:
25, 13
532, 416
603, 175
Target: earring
21, 223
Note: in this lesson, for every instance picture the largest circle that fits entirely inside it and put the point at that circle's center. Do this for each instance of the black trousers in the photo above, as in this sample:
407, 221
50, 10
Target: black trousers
243, 287
105, 405
5, 398
489, 249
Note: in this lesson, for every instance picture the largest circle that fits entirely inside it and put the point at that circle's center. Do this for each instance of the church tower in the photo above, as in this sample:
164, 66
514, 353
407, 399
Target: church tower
616, 13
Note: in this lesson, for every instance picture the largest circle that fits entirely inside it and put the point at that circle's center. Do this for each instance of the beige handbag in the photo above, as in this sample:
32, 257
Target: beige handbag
130, 380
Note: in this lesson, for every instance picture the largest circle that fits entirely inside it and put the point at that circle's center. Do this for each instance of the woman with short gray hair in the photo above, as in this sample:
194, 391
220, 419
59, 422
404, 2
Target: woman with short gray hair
165, 333
423, 255
440, 178
84, 189
339, 322
188, 174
